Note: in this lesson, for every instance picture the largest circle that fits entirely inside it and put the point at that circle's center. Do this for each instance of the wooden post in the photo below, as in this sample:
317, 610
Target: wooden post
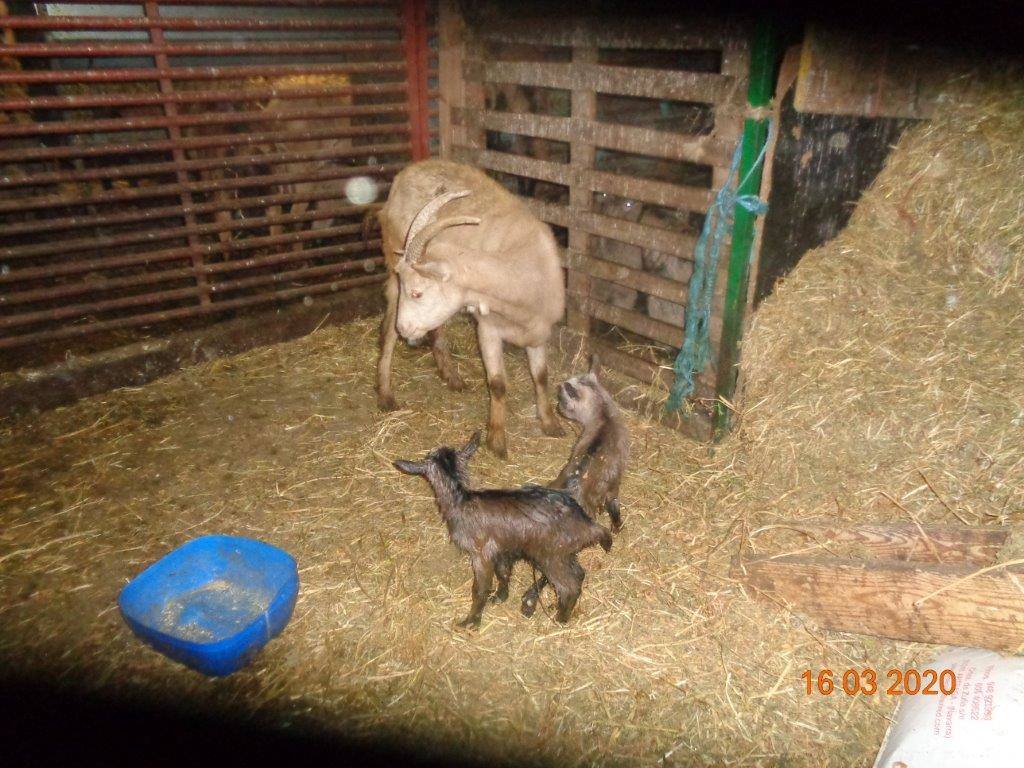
581, 157
755, 135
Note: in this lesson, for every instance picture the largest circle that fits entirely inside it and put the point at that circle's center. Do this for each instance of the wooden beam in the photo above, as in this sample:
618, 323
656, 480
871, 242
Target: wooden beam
908, 542
667, 32
896, 599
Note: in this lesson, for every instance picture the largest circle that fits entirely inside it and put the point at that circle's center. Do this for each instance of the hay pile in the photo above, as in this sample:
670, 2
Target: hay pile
891, 362
869, 393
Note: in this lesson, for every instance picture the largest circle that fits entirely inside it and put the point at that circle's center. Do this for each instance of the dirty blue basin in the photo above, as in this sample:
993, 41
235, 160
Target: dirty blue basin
214, 602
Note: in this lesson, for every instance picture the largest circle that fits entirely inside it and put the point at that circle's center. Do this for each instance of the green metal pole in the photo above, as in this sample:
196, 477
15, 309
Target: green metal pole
763, 57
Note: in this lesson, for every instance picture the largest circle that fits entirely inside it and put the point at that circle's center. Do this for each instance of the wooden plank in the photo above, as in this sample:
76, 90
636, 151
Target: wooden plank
906, 542
703, 87
663, 33
704, 150
552, 213
654, 192
518, 165
451, 85
637, 279
581, 156
846, 73
654, 238
897, 600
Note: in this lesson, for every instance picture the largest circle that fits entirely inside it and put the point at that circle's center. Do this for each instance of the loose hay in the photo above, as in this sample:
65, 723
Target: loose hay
870, 396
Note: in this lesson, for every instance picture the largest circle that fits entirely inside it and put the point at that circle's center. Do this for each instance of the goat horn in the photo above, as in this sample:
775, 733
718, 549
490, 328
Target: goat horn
428, 211
425, 235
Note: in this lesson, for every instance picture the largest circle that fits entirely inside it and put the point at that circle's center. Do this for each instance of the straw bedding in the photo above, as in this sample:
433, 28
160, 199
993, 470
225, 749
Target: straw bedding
883, 383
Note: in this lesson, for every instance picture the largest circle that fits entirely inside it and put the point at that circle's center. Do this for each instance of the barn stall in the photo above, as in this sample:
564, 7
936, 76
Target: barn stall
184, 179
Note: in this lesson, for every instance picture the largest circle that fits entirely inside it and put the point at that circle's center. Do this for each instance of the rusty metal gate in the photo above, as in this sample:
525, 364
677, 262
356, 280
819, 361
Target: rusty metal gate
617, 131
174, 160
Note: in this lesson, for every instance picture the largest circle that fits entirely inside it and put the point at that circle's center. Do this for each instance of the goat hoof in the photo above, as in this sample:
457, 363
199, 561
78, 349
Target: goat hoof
499, 597
562, 618
552, 429
528, 608
387, 403
468, 623
616, 527
497, 446
455, 382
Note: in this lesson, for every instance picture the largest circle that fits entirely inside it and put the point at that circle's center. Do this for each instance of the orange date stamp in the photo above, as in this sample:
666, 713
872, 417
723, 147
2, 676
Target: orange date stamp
867, 682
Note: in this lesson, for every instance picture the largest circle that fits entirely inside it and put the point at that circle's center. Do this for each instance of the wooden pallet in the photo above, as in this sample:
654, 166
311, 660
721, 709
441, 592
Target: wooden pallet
468, 65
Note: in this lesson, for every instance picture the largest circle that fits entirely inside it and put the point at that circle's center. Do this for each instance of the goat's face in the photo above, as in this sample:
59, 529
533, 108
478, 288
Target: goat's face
582, 398
450, 462
427, 299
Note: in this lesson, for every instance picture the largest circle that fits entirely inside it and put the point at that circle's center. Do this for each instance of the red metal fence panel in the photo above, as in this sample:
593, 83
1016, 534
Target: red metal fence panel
176, 160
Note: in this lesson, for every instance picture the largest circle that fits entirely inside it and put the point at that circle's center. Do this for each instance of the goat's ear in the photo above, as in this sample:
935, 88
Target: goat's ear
470, 448
434, 270
595, 365
411, 467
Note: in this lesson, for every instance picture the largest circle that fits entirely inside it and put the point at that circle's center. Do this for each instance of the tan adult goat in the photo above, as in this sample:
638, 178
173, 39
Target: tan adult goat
488, 255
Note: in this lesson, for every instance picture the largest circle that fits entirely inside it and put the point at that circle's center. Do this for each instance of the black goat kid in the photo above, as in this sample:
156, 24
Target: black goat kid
497, 528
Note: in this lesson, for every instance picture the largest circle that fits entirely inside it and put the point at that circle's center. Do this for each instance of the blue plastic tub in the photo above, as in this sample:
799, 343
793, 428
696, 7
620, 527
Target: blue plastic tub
214, 602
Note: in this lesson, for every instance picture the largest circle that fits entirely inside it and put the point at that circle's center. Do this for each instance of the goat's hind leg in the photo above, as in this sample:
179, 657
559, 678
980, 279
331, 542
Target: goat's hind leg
443, 357
532, 596
567, 579
503, 570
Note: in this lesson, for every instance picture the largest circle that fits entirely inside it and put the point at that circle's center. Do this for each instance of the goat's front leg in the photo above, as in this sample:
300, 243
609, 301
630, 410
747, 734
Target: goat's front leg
503, 570
388, 338
483, 575
538, 359
492, 351
443, 358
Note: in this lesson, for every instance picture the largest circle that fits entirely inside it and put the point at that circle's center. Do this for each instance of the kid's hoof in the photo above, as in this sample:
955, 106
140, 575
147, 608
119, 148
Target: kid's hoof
552, 429
528, 608
616, 527
468, 623
455, 382
499, 597
387, 403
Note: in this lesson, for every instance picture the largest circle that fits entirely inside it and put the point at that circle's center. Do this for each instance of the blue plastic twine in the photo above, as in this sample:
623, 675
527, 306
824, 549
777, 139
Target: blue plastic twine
696, 348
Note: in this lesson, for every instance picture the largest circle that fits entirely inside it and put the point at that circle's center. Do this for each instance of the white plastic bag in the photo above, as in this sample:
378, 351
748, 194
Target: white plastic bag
980, 724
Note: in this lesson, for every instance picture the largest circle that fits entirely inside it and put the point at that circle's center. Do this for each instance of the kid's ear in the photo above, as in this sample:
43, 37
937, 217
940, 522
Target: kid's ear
470, 448
434, 270
411, 467
595, 366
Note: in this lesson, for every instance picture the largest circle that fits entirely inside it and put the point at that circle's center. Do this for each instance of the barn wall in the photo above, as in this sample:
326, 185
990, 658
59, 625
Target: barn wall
823, 162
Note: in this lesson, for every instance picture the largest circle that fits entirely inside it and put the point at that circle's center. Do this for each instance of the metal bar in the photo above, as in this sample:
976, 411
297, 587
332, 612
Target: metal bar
66, 23
163, 68
172, 254
106, 48
50, 293
191, 230
413, 47
158, 297
223, 163
186, 312
164, 190
196, 73
250, 93
763, 57
207, 142
116, 125
156, 214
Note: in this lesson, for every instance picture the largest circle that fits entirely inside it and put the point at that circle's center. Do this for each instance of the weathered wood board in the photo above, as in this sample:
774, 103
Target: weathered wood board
938, 597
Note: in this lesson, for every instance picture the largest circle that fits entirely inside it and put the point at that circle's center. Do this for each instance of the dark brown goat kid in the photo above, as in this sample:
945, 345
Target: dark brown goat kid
497, 528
